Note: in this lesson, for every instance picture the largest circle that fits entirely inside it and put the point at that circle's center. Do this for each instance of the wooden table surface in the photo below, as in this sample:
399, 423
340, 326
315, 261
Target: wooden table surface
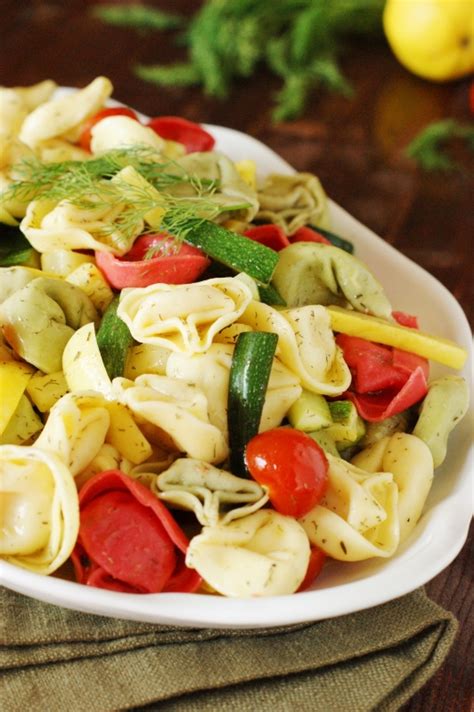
355, 147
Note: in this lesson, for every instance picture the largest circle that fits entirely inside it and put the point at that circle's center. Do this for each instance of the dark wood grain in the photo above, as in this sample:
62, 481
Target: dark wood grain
356, 148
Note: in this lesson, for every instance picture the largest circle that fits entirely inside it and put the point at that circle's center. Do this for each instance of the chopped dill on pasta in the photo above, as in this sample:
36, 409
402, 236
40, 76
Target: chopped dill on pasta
97, 183
72, 179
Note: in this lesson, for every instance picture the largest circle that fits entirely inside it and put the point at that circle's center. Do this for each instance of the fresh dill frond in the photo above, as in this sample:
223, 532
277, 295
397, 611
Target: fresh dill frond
140, 17
168, 192
72, 180
428, 149
177, 75
301, 41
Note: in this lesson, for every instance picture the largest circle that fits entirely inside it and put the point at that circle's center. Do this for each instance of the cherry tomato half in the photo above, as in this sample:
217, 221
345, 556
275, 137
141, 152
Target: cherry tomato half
175, 128
85, 137
292, 466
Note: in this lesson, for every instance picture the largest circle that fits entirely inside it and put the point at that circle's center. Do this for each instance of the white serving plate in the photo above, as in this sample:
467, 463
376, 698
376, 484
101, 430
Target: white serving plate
341, 588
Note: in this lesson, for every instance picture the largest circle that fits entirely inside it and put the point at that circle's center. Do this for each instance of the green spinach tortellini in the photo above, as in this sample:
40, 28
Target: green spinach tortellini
312, 273
39, 319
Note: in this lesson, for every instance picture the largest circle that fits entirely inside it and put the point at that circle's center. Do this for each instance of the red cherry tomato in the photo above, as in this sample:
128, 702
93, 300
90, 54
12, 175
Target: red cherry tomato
85, 137
316, 562
292, 466
174, 128
181, 266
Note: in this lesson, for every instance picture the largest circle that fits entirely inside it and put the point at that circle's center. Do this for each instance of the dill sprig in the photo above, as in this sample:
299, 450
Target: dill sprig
70, 180
428, 149
301, 41
140, 17
97, 183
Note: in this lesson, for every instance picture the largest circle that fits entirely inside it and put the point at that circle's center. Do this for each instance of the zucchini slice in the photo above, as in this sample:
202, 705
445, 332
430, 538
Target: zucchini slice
249, 375
234, 250
114, 340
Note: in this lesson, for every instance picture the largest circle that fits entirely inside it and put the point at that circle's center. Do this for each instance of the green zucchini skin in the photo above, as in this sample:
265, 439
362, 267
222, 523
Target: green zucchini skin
236, 251
113, 340
336, 240
15, 248
269, 295
249, 375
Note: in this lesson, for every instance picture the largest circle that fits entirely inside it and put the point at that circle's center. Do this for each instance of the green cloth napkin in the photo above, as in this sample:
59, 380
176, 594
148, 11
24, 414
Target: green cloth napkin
55, 659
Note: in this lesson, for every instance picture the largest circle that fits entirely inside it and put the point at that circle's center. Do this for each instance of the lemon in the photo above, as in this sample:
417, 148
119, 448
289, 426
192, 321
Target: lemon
432, 38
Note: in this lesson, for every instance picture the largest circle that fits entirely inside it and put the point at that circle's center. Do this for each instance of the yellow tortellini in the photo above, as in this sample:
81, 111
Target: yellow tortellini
57, 150
183, 317
12, 279
40, 510
63, 117
178, 409
12, 153
40, 318
210, 371
215, 496
17, 102
358, 516
122, 132
107, 458
262, 554
52, 226
410, 461
306, 345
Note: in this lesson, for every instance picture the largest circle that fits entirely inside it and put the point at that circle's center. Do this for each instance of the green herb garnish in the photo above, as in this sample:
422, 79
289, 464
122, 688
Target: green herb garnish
428, 149
89, 185
301, 41
140, 17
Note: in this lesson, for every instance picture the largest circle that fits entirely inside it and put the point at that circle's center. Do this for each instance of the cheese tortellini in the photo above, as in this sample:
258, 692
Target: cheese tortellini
179, 410
410, 461
210, 371
373, 503
17, 102
306, 345
262, 554
63, 117
183, 317
40, 510
357, 518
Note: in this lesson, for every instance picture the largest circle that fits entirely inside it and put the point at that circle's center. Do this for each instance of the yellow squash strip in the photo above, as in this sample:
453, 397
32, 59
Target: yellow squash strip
23, 424
14, 377
45, 389
82, 363
375, 329
125, 435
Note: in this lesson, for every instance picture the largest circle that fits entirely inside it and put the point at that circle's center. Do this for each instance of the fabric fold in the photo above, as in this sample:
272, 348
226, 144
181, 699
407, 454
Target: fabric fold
376, 659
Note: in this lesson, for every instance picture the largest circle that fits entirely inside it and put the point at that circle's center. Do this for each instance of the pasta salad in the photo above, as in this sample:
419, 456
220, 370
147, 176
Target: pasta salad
203, 388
